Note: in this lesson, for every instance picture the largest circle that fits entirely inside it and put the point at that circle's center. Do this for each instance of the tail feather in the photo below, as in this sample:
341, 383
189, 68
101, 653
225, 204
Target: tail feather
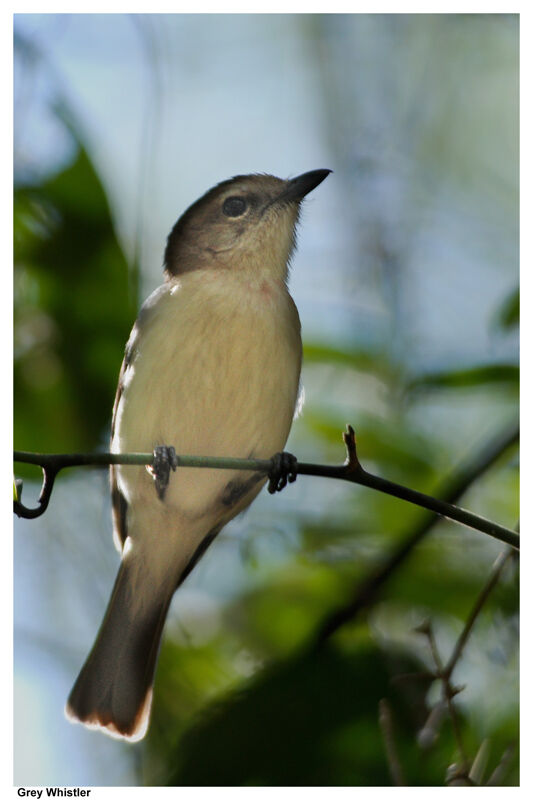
113, 691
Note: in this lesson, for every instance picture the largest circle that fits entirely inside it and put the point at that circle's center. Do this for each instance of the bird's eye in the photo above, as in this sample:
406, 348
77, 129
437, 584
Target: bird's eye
234, 206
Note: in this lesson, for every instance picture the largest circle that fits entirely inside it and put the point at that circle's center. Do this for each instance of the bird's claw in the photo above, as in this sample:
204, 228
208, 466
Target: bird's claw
284, 468
165, 459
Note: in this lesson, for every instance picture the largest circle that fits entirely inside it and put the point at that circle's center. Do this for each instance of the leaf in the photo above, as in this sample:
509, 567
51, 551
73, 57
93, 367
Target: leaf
504, 374
378, 439
73, 310
281, 614
508, 315
310, 721
368, 360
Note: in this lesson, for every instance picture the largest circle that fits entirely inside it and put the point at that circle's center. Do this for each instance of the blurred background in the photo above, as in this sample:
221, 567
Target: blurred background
406, 279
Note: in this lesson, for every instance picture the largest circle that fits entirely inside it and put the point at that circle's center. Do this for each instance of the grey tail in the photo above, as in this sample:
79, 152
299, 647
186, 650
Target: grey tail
113, 691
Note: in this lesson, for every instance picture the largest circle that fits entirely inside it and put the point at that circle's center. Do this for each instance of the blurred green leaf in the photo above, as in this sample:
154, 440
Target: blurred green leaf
280, 615
504, 374
436, 584
310, 721
509, 312
73, 310
381, 440
367, 360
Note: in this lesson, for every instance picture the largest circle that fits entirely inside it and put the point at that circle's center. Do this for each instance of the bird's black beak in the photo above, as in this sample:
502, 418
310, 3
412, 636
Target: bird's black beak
297, 188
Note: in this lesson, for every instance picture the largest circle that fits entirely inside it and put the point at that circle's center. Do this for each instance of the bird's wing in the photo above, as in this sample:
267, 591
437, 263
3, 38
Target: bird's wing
118, 501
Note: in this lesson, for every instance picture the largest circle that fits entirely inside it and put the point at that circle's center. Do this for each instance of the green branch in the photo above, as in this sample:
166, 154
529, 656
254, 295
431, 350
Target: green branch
351, 471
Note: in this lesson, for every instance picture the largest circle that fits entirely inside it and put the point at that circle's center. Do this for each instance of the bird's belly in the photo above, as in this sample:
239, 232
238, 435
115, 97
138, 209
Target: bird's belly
211, 388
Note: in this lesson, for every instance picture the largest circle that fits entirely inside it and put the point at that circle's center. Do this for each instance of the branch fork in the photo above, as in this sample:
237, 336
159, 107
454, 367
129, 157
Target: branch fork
352, 464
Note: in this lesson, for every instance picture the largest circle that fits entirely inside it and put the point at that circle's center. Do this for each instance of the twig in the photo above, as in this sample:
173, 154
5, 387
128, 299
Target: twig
385, 723
450, 491
49, 476
460, 774
448, 693
351, 471
496, 571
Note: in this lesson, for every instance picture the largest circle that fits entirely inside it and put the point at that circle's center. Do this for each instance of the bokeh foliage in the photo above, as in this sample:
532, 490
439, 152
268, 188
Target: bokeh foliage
73, 309
251, 702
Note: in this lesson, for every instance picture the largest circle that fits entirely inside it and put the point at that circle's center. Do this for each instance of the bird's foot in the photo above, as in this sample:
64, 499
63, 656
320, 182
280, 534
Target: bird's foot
284, 468
165, 459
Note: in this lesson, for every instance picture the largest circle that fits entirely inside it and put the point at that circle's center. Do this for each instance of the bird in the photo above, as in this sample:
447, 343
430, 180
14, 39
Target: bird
212, 367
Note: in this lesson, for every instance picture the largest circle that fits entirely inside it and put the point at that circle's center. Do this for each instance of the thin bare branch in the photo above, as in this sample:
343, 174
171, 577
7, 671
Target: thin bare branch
351, 471
448, 693
460, 773
496, 571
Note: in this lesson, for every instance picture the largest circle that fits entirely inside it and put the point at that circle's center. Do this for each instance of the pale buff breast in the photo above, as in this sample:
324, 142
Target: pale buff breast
215, 372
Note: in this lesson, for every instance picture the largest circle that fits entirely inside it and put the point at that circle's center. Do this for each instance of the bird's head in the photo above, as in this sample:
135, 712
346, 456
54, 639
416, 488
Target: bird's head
245, 223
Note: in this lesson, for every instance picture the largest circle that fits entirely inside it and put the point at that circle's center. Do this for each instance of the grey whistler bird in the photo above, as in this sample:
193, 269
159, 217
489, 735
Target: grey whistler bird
212, 367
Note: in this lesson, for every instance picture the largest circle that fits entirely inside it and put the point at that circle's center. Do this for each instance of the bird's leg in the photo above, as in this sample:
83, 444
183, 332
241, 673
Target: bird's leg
165, 459
284, 468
